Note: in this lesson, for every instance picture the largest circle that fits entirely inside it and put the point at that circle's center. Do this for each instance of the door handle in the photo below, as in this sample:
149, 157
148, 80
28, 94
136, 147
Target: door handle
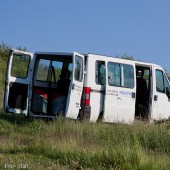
133, 95
73, 86
155, 97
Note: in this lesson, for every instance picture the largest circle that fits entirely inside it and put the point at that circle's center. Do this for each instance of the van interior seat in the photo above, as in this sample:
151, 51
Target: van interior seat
64, 82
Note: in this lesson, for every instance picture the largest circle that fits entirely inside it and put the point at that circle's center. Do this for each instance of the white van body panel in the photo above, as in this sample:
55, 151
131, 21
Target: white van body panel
161, 102
17, 80
96, 100
97, 91
119, 105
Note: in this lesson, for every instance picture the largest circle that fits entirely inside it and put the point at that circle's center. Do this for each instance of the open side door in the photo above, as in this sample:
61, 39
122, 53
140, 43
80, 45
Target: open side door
76, 87
119, 104
17, 82
161, 95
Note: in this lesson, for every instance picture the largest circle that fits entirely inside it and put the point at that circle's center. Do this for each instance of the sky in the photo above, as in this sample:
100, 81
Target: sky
138, 28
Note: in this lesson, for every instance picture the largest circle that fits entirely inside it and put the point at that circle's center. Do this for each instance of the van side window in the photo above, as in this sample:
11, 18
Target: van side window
100, 73
114, 74
167, 86
121, 75
160, 81
20, 64
78, 74
128, 76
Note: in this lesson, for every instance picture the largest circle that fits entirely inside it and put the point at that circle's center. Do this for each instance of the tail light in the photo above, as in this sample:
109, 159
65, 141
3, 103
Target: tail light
86, 96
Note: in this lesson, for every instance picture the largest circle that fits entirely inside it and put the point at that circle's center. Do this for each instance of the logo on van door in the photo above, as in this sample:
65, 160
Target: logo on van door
112, 92
125, 93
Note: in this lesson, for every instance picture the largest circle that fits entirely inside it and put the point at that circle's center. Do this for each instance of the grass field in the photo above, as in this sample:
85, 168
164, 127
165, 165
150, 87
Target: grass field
67, 144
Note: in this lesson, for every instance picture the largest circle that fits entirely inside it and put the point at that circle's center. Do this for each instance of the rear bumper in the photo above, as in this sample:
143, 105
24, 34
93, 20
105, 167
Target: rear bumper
85, 111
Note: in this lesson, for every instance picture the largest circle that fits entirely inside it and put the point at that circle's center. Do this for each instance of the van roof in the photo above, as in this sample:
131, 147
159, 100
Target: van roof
103, 57
136, 62
53, 53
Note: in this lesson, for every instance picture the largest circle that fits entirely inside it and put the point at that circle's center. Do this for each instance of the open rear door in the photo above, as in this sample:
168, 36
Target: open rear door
76, 87
17, 82
119, 105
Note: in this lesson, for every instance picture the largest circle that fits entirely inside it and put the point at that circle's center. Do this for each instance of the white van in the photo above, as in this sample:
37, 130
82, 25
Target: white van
93, 86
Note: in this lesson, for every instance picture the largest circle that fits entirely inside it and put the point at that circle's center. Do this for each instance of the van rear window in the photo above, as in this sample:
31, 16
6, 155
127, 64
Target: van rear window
47, 69
78, 74
20, 65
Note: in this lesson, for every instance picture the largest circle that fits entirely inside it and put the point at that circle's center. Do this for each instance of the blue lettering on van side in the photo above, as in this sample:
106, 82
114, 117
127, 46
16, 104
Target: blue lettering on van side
125, 93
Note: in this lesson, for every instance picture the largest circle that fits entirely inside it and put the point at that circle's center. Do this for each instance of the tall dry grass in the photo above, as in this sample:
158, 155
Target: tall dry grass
66, 144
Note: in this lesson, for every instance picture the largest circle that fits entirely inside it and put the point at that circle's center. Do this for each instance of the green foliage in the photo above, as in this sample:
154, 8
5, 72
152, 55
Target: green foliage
126, 56
21, 48
4, 52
